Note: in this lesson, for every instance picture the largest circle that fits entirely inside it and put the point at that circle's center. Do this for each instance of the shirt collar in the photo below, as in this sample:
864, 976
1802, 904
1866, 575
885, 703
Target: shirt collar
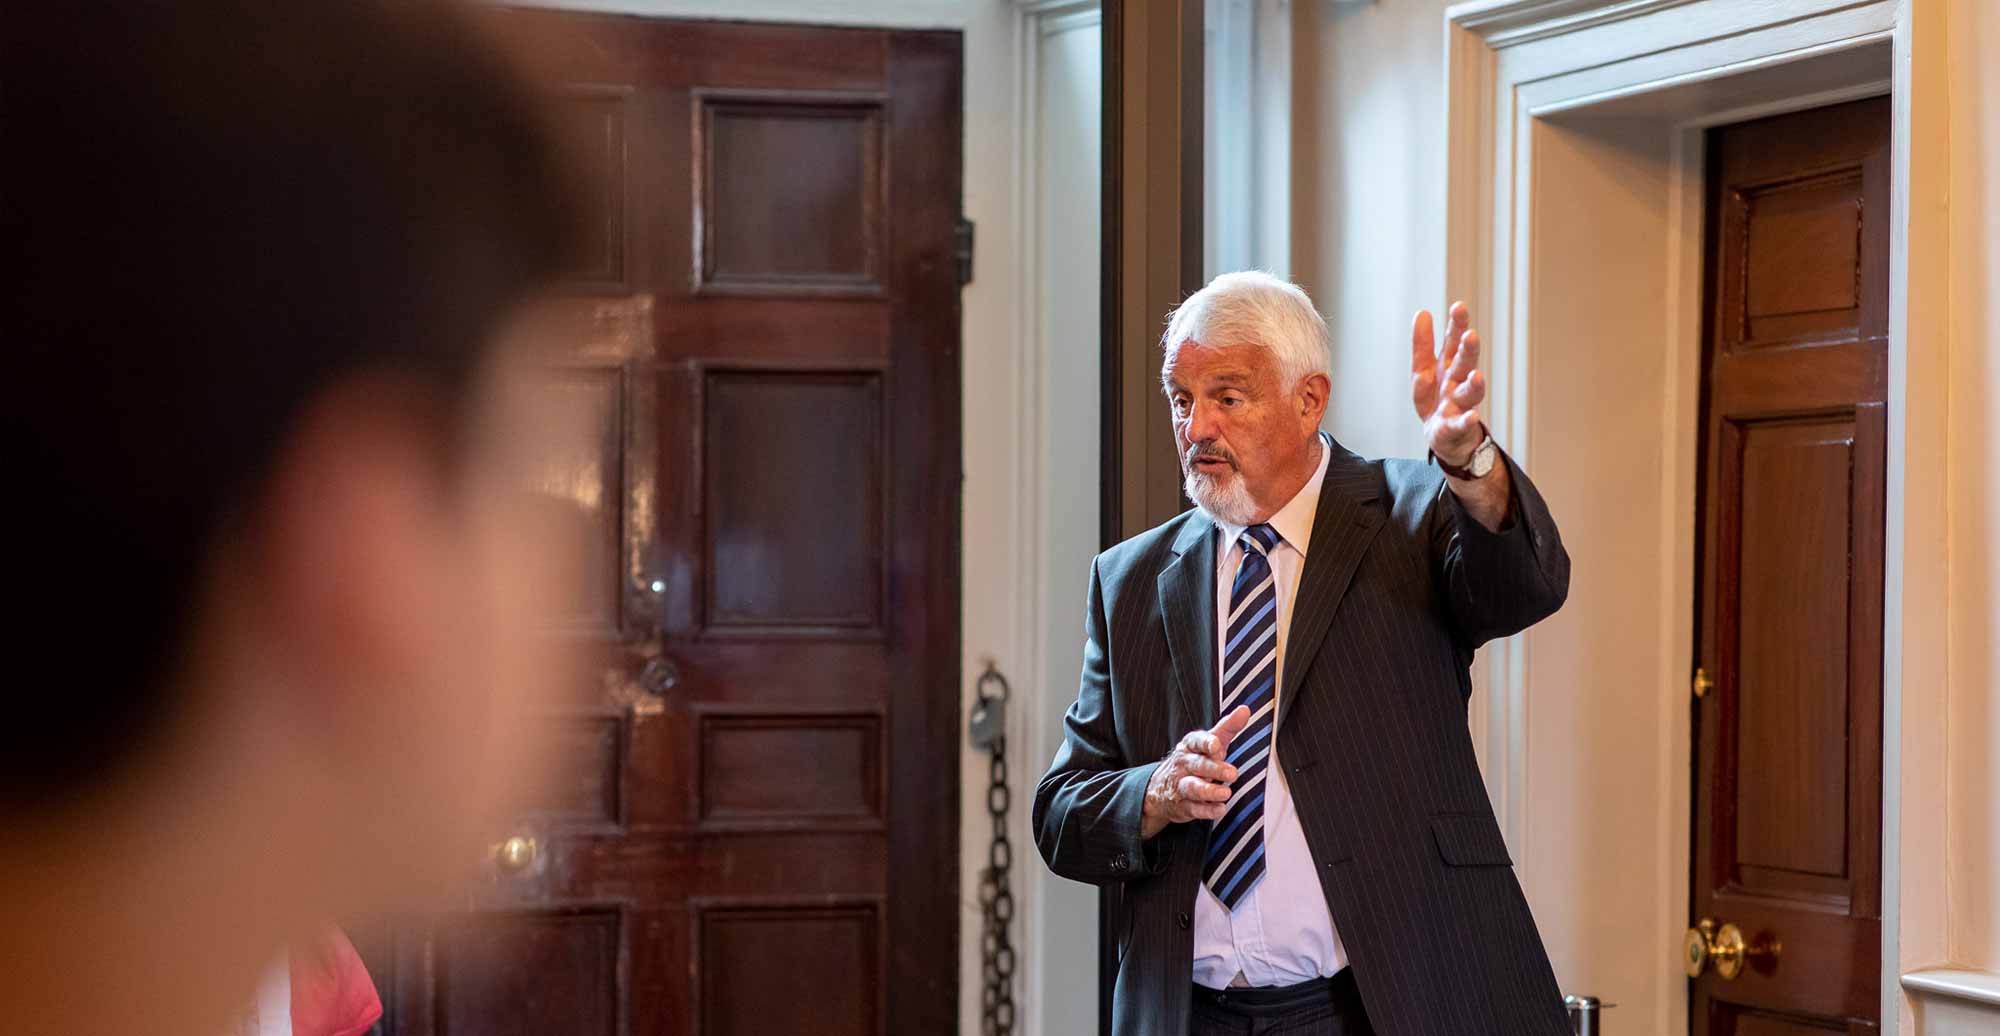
1294, 521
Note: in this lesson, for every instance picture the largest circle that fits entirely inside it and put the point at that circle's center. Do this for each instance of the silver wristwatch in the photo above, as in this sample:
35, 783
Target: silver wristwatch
1483, 458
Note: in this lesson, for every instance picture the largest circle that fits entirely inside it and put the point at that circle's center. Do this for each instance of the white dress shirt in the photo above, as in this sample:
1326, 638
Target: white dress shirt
271, 1015
1280, 934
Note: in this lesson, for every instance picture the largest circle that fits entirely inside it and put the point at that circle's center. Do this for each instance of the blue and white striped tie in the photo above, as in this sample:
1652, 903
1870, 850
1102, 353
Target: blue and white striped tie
1235, 859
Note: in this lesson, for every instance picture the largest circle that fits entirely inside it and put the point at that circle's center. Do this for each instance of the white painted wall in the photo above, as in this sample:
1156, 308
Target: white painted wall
1368, 198
1592, 824
1059, 984
1247, 136
1973, 821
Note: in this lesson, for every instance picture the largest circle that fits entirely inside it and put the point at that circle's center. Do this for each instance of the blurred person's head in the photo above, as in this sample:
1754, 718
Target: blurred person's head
264, 565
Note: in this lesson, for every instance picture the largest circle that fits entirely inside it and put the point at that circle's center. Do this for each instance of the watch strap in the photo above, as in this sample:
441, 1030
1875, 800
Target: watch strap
1463, 474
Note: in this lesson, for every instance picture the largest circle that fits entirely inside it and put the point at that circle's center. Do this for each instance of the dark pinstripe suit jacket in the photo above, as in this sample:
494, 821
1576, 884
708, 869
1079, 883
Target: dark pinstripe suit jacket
1400, 585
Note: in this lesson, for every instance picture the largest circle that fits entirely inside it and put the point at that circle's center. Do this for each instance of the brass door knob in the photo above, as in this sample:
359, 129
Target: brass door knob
1704, 945
1724, 947
515, 854
659, 675
1694, 950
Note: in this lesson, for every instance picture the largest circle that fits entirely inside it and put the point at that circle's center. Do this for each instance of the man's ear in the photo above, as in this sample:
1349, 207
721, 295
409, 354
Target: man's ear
1312, 395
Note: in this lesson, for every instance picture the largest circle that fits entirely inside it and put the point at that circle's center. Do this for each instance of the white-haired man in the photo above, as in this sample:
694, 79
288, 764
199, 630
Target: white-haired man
1269, 750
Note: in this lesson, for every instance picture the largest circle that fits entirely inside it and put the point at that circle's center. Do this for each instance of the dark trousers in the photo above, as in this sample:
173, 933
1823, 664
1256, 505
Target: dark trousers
1324, 1007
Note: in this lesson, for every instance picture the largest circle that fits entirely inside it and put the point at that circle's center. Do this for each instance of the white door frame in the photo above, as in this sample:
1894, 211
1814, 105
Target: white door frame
1056, 442
1518, 72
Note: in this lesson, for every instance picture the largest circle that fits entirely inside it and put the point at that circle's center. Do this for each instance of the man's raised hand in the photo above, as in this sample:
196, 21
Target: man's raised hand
1192, 782
1447, 389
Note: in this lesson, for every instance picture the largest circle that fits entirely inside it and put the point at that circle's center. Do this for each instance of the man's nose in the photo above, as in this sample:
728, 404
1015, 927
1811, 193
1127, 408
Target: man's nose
1201, 424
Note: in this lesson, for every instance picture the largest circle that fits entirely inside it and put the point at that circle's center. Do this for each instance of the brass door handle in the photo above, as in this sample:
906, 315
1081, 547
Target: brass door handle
659, 675
656, 674
516, 854
1725, 947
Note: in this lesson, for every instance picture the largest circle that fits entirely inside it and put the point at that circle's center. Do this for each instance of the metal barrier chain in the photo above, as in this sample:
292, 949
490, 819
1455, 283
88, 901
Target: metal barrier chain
996, 899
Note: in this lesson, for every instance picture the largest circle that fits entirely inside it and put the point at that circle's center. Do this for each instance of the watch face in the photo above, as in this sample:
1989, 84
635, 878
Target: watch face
1483, 459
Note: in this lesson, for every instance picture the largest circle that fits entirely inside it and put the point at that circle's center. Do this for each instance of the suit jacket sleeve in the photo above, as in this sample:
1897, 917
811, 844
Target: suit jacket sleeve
1088, 806
1500, 583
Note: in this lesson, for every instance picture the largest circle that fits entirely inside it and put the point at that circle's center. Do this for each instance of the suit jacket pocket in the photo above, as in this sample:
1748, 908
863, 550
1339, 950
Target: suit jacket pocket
1470, 840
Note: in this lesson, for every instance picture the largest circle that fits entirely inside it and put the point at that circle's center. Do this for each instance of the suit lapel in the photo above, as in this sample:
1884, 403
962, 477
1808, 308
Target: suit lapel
1187, 603
1345, 524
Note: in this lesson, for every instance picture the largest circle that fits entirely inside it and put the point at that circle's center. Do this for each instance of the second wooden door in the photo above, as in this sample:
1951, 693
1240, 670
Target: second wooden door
1785, 936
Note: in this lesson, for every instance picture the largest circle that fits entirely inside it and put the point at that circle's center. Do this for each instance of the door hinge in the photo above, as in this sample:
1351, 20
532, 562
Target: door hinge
962, 248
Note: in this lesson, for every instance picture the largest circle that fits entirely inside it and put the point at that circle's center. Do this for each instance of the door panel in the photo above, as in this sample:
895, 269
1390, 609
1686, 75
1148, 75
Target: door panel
1733, 1021
589, 123
753, 446
770, 163
531, 973
773, 440
804, 967
797, 770
585, 784
1801, 254
1785, 481
580, 462
1788, 799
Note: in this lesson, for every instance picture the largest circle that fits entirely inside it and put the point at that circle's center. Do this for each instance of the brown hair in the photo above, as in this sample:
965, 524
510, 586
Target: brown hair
213, 211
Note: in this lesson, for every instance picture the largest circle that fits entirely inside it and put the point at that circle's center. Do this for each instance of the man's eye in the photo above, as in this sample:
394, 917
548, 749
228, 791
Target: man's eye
1231, 400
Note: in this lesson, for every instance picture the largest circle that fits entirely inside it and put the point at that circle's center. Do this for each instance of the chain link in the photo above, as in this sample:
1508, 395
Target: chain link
996, 897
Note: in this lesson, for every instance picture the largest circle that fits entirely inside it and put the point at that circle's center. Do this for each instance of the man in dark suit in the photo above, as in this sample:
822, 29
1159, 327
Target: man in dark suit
1321, 859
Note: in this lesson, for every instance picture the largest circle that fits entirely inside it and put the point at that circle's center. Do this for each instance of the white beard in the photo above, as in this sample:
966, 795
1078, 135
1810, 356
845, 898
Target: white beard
1224, 498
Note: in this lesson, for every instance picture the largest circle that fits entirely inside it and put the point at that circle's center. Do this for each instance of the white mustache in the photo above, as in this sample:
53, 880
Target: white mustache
1207, 453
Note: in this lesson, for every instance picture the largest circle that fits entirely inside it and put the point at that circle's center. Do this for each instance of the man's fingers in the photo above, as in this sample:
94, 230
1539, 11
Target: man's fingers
1227, 728
1423, 344
1210, 768
1424, 392
1195, 789
1207, 810
1456, 320
1233, 723
1423, 365
1470, 392
1466, 359
1213, 743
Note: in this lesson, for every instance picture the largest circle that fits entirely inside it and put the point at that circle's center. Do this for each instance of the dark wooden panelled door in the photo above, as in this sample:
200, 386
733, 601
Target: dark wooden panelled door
755, 829
1788, 769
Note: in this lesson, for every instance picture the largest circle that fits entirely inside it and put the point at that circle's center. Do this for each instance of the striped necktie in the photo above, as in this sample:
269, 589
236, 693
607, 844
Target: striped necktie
1235, 859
